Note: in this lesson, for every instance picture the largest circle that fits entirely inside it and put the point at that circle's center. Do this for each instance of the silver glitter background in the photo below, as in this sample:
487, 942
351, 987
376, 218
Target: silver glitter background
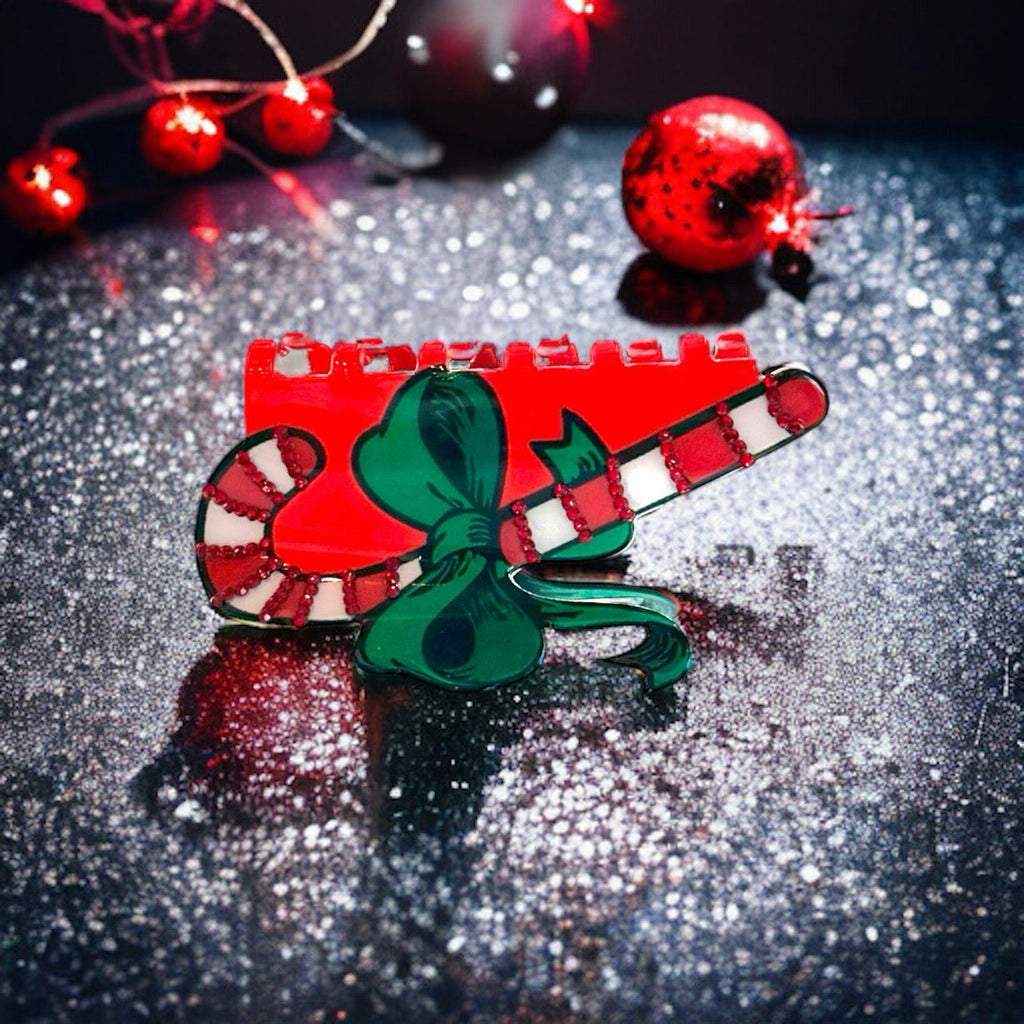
823, 824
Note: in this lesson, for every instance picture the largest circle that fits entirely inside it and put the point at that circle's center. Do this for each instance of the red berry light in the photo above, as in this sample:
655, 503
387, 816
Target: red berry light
298, 119
182, 136
42, 193
712, 182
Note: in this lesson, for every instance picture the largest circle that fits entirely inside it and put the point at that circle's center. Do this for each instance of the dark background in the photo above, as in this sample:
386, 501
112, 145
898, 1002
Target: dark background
824, 823
881, 64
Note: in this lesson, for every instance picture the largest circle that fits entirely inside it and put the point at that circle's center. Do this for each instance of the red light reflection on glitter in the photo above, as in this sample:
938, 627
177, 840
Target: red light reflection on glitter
208, 233
302, 198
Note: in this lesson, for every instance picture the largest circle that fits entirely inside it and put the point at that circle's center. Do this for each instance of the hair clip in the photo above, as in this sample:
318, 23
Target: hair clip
409, 493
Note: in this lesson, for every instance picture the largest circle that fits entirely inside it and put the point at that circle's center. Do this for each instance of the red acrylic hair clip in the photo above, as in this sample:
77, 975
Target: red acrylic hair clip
410, 492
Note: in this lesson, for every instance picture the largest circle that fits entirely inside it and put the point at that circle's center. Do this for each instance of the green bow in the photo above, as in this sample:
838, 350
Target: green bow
437, 462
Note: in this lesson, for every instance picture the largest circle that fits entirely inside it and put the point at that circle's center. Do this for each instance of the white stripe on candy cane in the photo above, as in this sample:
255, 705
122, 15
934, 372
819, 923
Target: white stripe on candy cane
226, 529
266, 457
253, 600
757, 426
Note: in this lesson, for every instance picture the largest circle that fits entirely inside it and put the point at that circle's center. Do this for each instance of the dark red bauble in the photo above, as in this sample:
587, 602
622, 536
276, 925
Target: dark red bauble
182, 136
42, 193
298, 119
499, 76
712, 182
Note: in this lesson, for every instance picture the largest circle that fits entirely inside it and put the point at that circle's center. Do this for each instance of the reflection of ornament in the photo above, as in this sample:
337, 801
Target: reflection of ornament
42, 192
182, 136
455, 470
654, 290
298, 119
712, 182
498, 76
273, 722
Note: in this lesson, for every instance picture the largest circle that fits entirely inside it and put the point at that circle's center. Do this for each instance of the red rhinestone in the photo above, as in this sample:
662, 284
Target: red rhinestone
561, 490
746, 460
722, 409
725, 422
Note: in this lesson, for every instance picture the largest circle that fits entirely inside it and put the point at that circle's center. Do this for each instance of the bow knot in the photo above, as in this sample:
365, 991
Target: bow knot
463, 530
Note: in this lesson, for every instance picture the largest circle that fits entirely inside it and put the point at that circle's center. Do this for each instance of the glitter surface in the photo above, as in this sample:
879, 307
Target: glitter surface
823, 824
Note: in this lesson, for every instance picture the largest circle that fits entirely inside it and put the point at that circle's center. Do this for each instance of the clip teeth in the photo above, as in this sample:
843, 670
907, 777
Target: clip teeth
646, 351
296, 355
732, 346
558, 351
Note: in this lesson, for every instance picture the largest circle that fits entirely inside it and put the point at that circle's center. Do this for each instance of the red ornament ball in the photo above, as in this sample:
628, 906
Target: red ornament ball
712, 182
298, 119
42, 192
182, 136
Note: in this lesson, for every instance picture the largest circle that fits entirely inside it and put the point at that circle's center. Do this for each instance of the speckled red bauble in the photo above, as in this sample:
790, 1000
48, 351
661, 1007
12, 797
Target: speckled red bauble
499, 76
298, 119
182, 136
712, 182
42, 192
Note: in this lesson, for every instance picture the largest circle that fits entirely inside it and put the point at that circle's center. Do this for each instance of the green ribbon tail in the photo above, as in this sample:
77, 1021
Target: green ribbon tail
663, 657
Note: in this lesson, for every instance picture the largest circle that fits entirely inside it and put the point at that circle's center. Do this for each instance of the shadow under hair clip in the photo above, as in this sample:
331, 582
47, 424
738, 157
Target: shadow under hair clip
412, 494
